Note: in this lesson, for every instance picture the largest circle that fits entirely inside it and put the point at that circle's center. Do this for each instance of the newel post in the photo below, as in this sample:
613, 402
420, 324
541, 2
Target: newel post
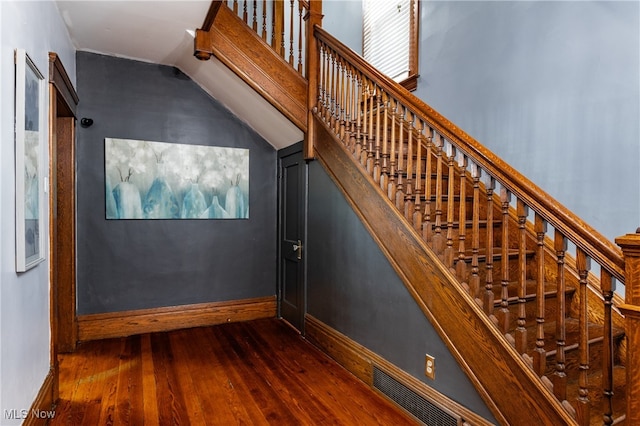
630, 245
312, 18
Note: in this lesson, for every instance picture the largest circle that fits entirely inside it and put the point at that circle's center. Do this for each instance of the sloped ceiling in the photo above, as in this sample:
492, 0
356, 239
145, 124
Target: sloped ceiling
161, 32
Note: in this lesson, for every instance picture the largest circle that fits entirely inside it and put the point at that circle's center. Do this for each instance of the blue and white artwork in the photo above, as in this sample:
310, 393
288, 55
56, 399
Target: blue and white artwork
158, 180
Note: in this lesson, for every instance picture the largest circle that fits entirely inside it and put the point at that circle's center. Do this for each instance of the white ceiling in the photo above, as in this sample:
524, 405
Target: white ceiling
159, 32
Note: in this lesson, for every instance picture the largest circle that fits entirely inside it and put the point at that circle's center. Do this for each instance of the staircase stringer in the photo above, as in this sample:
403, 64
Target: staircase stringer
474, 341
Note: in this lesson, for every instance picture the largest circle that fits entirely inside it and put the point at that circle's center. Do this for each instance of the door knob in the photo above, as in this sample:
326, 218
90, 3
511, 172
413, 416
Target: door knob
298, 248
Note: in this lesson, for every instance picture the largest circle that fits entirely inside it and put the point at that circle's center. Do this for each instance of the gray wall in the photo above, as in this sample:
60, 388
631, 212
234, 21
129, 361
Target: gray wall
353, 288
551, 87
137, 264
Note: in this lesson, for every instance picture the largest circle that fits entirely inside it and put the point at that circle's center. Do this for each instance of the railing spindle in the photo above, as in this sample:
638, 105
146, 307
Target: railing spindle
400, 187
245, 16
505, 199
474, 279
521, 330
488, 287
408, 185
235, 6
376, 157
539, 355
606, 284
300, 41
391, 193
384, 173
339, 121
461, 265
254, 22
291, 32
359, 113
438, 238
559, 375
370, 133
451, 164
417, 207
264, 20
583, 404
364, 146
427, 224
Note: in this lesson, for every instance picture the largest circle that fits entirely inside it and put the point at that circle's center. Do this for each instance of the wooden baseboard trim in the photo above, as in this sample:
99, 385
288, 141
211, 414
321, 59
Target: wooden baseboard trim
42, 408
128, 323
360, 362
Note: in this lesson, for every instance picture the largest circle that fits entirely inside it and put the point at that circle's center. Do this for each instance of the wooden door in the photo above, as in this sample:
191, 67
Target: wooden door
292, 229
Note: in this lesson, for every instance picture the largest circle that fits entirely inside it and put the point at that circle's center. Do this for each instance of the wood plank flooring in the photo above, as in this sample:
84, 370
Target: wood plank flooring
251, 373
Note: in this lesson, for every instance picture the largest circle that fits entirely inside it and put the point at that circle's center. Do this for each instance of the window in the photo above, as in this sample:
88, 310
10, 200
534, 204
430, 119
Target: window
390, 38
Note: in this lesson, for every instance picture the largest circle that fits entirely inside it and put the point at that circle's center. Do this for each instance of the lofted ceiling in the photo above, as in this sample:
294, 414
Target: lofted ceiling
161, 32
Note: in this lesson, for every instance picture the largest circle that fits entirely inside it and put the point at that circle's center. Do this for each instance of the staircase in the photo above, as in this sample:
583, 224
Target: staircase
501, 270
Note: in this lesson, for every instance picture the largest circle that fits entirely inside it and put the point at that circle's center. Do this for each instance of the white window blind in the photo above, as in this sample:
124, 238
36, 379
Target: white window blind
386, 36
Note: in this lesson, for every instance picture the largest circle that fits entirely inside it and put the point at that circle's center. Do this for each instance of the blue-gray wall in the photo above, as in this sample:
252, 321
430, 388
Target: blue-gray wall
552, 88
137, 264
353, 288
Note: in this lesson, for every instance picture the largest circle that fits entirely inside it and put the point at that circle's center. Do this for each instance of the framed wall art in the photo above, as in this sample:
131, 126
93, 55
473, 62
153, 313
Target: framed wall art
30, 167
160, 180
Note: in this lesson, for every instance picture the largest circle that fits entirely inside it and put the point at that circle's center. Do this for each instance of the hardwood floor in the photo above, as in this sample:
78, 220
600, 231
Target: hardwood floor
252, 373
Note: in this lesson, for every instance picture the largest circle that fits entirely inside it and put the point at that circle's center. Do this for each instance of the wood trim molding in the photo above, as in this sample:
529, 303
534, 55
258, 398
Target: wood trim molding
42, 408
360, 361
127, 323
60, 79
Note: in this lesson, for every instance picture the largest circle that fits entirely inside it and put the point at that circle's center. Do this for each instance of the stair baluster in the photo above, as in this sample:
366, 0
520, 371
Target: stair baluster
376, 157
300, 41
384, 172
503, 312
539, 354
438, 238
417, 207
490, 185
357, 153
342, 80
583, 404
264, 20
400, 187
291, 32
427, 224
474, 279
451, 164
461, 265
254, 21
521, 330
606, 284
408, 185
393, 172
560, 376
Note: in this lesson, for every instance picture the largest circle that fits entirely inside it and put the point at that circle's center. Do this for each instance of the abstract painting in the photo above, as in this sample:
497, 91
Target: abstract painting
159, 180
30, 169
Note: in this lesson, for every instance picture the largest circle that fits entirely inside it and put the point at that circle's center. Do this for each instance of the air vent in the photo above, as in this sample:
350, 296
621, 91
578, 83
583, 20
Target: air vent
423, 409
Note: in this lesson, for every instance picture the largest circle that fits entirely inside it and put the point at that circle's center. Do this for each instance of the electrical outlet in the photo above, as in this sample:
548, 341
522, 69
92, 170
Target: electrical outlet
430, 367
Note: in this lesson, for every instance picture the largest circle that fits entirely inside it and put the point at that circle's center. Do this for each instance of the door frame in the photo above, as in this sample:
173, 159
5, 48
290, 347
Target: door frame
63, 101
282, 153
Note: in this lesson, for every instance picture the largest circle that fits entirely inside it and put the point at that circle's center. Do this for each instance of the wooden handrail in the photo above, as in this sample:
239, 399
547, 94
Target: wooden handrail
594, 244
